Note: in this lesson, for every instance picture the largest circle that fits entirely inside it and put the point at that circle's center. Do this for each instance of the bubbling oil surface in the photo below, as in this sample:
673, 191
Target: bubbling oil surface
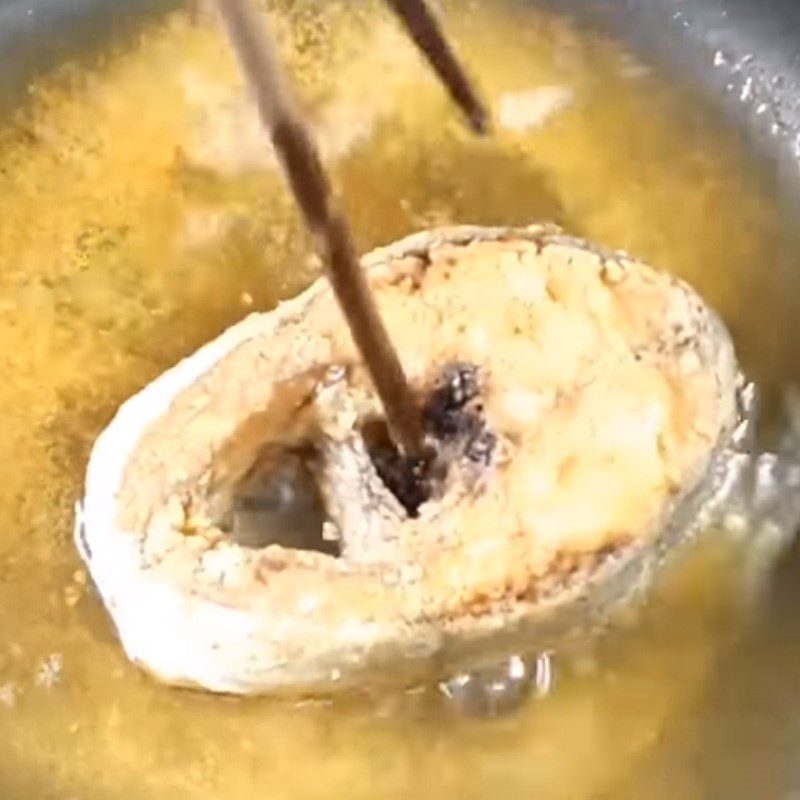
141, 213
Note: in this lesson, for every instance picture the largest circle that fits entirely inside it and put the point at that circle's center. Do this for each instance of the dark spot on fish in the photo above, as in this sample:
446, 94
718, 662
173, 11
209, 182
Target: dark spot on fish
454, 424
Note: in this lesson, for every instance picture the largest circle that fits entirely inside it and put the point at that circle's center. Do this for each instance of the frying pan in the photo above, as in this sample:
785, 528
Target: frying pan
743, 55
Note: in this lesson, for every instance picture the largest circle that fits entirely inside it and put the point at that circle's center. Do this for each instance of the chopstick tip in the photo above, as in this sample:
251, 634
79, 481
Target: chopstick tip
480, 121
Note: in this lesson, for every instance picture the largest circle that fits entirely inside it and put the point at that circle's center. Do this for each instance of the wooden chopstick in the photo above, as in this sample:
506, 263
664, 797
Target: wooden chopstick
300, 161
423, 28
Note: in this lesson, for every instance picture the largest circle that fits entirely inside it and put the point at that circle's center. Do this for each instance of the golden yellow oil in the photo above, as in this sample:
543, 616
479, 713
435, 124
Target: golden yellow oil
140, 214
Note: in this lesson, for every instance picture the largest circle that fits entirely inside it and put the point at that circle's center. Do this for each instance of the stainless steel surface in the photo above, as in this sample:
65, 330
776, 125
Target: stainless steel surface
744, 53
38, 34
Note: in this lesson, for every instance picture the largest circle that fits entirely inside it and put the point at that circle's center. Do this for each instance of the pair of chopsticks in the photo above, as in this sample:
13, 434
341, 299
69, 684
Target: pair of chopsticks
299, 158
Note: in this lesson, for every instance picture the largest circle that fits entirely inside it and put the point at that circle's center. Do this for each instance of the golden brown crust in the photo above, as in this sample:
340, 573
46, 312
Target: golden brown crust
608, 386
